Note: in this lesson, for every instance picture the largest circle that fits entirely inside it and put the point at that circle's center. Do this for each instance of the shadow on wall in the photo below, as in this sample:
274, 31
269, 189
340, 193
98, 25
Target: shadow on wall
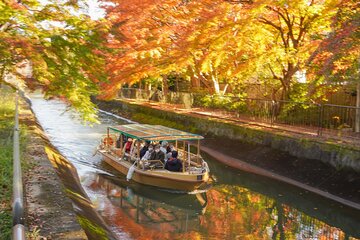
92, 223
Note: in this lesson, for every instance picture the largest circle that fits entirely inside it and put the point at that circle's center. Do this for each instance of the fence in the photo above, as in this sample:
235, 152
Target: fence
18, 200
316, 119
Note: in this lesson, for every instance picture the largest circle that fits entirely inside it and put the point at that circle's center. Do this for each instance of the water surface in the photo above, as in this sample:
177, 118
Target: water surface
238, 206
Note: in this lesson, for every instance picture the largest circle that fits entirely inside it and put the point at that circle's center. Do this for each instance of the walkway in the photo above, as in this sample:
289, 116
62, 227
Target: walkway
282, 129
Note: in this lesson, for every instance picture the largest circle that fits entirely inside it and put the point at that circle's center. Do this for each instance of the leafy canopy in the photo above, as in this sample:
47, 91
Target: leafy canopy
62, 44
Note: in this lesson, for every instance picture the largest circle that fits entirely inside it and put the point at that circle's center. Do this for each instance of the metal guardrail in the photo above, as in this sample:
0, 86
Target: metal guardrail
18, 230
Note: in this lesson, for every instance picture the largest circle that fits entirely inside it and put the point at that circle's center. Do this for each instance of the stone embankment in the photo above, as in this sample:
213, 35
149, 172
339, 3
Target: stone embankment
256, 150
335, 153
49, 212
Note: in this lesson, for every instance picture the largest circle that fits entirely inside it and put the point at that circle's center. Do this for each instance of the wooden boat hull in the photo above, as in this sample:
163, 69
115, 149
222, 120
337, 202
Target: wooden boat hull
159, 177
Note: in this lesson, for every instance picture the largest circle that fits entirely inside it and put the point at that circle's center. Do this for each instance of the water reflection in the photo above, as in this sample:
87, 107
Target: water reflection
156, 210
238, 206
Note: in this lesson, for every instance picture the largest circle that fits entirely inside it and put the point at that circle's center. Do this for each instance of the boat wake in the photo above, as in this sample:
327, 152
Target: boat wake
116, 116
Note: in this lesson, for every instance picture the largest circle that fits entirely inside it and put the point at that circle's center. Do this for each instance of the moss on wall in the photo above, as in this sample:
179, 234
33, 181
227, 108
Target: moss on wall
339, 156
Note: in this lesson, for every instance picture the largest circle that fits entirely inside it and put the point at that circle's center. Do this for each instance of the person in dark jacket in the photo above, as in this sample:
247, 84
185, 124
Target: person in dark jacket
144, 149
159, 155
173, 164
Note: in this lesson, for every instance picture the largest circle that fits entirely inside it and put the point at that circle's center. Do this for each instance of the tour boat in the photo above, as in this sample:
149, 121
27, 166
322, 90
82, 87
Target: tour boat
193, 175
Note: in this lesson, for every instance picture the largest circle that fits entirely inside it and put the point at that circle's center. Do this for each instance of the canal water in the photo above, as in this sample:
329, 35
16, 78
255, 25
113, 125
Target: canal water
237, 206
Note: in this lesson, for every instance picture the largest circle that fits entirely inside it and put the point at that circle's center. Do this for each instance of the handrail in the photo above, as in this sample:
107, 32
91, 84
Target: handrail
18, 230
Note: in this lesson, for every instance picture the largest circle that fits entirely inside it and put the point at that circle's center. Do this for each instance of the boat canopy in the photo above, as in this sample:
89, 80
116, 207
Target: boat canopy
154, 132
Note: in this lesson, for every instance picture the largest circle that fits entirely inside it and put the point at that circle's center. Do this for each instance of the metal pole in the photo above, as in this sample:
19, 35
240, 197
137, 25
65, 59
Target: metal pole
321, 116
357, 118
17, 203
184, 156
272, 114
189, 155
198, 152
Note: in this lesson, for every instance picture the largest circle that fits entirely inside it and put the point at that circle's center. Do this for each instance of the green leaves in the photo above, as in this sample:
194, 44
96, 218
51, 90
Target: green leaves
65, 49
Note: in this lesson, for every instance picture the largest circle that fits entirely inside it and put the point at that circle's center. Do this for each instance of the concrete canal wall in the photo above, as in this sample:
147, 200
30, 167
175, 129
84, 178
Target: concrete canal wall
49, 212
302, 146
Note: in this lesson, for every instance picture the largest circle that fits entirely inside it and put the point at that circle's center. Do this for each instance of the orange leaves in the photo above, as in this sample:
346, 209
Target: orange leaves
213, 42
337, 56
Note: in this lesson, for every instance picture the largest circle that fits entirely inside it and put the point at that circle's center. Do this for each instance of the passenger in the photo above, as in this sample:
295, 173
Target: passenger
173, 164
118, 142
144, 149
149, 153
147, 156
163, 147
125, 138
128, 145
159, 155
169, 150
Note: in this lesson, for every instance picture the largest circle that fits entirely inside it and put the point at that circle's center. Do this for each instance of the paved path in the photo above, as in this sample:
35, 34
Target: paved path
282, 129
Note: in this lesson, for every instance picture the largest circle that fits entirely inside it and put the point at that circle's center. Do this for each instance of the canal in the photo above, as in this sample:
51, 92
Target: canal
238, 205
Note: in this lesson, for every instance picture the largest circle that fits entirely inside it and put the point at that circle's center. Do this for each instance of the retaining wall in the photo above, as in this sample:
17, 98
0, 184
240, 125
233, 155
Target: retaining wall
339, 156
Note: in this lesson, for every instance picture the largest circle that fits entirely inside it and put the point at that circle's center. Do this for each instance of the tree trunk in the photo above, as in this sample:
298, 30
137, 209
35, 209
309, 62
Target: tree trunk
195, 81
225, 88
165, 87
357, 118
215, 84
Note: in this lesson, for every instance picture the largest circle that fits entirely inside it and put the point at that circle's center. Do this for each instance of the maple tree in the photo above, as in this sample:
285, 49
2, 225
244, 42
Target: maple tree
169, 36
337, 57
220, 42
296, 29
62, 45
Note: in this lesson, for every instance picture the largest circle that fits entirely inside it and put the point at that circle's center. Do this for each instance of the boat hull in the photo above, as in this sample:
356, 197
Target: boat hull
159, 178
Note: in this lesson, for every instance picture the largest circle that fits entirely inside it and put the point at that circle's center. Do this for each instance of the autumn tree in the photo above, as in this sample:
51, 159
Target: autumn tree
296, 28
61, 43
219, 42
196, 39
337, 60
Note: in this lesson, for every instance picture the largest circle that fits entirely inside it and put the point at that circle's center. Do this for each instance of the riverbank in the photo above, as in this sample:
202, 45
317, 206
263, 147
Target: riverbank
49, 213
313, 173
337, 153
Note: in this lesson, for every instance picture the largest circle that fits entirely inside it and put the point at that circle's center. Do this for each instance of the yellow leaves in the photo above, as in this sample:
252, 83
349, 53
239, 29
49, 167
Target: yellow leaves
152, 54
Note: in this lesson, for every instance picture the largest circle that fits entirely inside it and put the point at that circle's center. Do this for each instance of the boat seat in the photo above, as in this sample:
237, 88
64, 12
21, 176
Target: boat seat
156, 164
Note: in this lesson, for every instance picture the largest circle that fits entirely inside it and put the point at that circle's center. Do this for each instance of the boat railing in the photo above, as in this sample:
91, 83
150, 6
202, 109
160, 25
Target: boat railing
194, 158
109, 143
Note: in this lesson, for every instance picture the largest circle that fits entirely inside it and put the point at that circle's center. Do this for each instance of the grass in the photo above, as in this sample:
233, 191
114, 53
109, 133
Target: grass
7, 107
7, 115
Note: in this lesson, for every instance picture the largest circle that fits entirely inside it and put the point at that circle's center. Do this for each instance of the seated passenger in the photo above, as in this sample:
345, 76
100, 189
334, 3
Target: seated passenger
118, 142
149, 153
173, 164
144, 149
128, 145
164, 145
159, 155
170, 148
